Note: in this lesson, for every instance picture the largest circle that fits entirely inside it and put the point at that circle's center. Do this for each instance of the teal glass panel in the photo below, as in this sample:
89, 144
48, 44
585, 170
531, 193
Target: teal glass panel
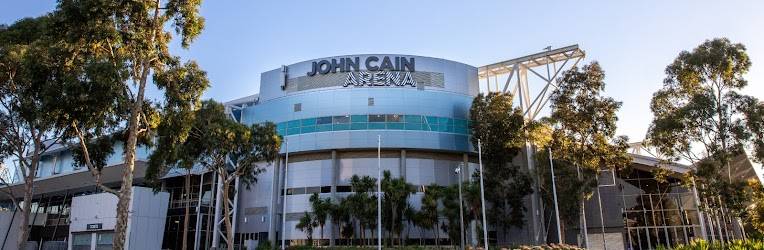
359, 118
281, 131
376, 125
413, 119
308, 129
431, 127
443, 120
460, 129
281, 125
460, 122
324, 127
358, 125
324, 120
308, 122
293, 124
394, 125
342, 119
339, 127
414, 126
293, 131
432, 120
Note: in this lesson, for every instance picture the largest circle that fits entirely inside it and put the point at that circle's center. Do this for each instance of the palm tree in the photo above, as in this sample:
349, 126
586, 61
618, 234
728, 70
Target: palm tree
396, 194
321, 208
361, 204
409, 215
429, 215
306, 225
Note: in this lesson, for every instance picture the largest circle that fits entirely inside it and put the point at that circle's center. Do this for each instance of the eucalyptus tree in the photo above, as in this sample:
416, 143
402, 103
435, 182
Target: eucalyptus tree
177, 120
118, 45
583, 136
31, 65
503, 132
701, 117
221, 145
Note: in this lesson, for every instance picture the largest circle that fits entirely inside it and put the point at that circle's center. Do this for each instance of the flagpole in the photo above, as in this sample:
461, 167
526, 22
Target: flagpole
482, 196
379, 192
283, 213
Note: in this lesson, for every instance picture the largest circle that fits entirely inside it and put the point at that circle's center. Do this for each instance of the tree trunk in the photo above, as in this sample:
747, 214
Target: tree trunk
226, 218
26, 211
28, 195
126, 189
187, 196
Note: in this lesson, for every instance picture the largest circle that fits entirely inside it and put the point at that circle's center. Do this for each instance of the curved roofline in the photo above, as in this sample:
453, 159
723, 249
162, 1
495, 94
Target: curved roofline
372, 54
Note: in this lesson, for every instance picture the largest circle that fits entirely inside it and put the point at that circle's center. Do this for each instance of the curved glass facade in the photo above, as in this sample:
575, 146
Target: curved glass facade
374, 122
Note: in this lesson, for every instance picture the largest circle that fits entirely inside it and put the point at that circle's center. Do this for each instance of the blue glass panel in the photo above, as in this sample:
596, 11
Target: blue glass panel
414, 126
432, 120
324, 127
308, 122
281, 132
341, 127
376, 118
394, 125
358, 125
431, 127
359, 118
376, 125
293, 131
342, 119
293, 124
308, 129
413, 118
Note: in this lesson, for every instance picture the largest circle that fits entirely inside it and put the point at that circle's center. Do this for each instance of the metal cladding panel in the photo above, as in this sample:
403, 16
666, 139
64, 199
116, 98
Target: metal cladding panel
457, 77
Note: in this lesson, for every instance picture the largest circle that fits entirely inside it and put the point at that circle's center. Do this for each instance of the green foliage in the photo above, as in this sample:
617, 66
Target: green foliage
306, 225
264, 245
583, 139
700, 117
699, 244
395, 194
502, 131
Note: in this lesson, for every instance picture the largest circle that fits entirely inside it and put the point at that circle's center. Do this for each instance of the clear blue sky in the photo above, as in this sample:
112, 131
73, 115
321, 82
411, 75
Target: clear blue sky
633, 41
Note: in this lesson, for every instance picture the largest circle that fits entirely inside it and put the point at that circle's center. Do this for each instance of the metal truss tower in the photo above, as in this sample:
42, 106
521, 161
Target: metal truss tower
514, 75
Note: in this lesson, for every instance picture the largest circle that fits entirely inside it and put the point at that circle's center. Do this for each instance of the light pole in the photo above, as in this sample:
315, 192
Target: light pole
482, 196
554, 192
379, 192
283, 212
458, 172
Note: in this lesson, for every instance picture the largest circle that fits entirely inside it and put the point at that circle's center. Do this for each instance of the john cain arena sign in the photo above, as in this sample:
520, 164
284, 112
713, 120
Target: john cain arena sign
385, 71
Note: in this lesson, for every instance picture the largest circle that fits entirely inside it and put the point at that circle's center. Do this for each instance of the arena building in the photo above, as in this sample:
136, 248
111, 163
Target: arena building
342, 116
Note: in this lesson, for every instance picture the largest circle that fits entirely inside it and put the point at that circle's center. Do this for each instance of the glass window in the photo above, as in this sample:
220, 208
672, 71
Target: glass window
81, 241
342, 119
376, 125
324, 120
297, 107
394, 125
376, 118
413, 118
324, 127
308, 129
344, 189
326, 189
358, 126
432, 120
312, 190
309, 121
293, 124
339, 127
393, 118
300, 190
371, 101
414, 126
359, 118
293, 131
104, 240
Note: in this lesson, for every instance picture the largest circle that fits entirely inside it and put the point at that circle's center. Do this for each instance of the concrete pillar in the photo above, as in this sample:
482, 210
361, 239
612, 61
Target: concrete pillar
275, 191
335, 181
402, 165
